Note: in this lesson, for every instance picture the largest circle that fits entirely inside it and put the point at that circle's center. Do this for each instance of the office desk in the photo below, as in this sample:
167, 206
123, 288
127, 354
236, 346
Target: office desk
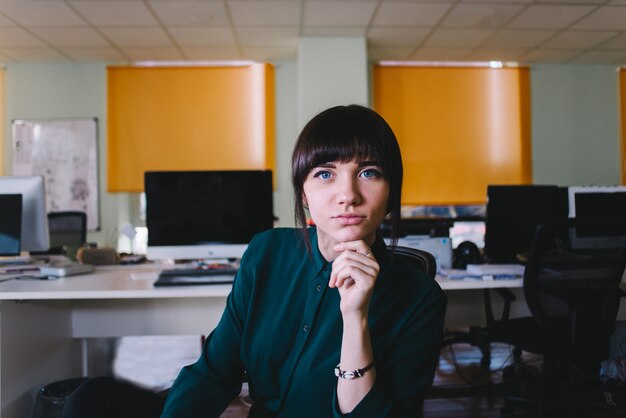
44, 324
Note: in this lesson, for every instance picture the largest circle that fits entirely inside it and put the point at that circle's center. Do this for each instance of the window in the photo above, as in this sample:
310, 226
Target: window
1, 121
622, 83
459, 129
188, 118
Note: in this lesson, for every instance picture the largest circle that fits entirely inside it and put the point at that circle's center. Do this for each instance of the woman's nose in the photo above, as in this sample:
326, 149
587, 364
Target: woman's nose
348, 193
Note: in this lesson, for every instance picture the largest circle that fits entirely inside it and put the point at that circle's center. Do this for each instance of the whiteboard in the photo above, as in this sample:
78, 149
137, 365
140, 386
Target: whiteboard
65, 152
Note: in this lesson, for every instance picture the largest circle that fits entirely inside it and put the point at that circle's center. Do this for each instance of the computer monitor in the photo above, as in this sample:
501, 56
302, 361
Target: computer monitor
603, 212
10, 224
513, 213
206, 214
34, 230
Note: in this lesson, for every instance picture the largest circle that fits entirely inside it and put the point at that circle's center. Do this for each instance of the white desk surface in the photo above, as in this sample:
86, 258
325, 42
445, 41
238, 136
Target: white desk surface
136, 282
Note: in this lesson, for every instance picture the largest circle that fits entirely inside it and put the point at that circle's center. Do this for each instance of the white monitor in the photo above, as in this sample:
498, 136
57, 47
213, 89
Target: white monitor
605, 204
34, 235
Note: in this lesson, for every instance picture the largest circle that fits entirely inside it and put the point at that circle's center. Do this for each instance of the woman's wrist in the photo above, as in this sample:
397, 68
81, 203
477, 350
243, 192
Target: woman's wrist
355, 320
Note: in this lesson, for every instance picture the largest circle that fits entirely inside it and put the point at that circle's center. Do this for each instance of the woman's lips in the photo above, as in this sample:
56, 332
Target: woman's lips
350, 219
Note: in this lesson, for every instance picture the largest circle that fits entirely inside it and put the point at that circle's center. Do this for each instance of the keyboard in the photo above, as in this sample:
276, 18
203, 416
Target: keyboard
197, 275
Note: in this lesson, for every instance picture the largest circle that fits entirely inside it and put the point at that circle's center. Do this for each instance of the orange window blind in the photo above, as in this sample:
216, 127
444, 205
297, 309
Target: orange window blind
622, 87
459, 129
188, 118
2, 121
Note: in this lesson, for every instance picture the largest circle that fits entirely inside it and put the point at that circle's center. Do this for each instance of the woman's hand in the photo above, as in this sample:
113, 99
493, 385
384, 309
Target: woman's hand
354, 274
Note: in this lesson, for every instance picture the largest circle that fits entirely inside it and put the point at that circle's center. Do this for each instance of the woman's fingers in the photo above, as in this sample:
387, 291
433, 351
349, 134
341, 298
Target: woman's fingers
356, 262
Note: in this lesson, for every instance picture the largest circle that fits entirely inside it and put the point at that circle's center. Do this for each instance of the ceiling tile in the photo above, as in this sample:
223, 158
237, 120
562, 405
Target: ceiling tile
4, 59
137, 36
397, 36
152, 54
201, 36
518, 38
496, 55
5, 21
190, 12
619, 42
497, 1
605, 18
270, 53
338, 13
15, 37
440, 54
571, 1
574, 39
264, 12
409, 14
389, 53
469, 29
549, 16
455, 38
93, 54
71, 37
480, 16
599, 57
548, 56
283, 36
114, 12
40, 13
218, 53
333, 31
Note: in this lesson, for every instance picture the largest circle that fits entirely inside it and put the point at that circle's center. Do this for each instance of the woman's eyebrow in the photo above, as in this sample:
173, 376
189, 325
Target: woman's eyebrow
325, 165
368, 163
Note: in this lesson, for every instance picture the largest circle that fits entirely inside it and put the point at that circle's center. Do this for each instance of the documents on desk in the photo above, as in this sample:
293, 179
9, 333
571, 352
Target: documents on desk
486, 272
439, 247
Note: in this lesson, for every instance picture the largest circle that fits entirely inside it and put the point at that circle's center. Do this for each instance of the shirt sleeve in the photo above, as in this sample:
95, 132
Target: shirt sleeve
404, 374
205, 388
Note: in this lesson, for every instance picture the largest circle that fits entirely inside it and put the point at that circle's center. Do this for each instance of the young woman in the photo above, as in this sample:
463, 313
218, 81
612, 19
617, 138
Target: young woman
325, 321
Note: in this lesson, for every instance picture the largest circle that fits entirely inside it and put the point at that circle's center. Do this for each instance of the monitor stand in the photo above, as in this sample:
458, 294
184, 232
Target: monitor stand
23, 258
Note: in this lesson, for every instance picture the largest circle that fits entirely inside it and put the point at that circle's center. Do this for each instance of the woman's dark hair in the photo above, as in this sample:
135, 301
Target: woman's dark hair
344, 134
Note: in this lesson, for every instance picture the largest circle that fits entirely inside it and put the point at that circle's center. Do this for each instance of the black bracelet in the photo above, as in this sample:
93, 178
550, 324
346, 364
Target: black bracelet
352, 375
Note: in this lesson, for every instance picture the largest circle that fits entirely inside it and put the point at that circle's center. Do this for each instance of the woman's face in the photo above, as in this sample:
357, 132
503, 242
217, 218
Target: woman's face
347, 202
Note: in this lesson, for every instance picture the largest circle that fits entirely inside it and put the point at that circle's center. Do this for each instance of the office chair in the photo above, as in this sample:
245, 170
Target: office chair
67, 229
573, 295
423, 259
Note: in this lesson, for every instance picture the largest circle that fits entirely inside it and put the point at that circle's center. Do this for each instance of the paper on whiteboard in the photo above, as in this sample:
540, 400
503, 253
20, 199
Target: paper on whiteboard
65, 153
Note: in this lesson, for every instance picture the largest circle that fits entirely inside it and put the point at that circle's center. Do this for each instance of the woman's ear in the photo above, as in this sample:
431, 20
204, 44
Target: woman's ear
305, 202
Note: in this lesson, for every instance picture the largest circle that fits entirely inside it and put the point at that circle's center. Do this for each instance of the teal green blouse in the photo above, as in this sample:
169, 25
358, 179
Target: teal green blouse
282, 325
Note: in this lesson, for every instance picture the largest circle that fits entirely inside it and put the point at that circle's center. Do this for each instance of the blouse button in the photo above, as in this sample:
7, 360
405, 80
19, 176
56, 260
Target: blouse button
305, 328
319, 288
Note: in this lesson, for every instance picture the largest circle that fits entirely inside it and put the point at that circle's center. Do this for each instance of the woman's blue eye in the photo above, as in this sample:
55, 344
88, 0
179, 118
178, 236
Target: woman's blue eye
324, 175
370, 173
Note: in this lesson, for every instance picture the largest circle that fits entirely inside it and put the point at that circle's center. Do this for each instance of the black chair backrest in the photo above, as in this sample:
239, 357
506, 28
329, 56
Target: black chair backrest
425, 260
67, 228
560, 277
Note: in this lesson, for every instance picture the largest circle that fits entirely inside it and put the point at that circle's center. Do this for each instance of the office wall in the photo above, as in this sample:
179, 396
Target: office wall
63, 91
575, 120
575, 124
286, 134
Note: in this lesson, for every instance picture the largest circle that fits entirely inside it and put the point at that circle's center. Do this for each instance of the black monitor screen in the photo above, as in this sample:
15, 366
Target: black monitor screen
204, 207
10, 223
513, 213
601, 206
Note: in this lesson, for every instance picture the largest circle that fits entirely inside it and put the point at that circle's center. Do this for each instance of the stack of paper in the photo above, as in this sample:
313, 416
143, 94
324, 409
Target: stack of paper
496, 269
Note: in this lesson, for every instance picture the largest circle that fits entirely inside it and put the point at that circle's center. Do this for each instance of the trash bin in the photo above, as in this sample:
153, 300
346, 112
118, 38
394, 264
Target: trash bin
51, 397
